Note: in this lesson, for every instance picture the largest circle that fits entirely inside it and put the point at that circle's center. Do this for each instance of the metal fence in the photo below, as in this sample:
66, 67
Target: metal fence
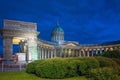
12, 67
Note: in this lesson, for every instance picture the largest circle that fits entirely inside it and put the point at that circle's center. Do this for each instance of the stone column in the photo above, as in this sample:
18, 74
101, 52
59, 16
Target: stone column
45, 54
84, 53
48, 52
75, 52
54, 53
96, 51
60, 49
51, 53
71, 52
32, 48
39, 53
106, 49
79, 52
42, 53
65, 52
100, 51
88, 53
68, 50
92, 52
8, 49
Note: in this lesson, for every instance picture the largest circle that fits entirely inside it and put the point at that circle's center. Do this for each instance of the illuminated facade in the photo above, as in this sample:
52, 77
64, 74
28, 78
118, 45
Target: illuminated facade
14, 31
57, 34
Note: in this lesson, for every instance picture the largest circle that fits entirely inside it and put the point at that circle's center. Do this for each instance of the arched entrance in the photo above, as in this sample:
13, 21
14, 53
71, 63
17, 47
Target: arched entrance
16, 31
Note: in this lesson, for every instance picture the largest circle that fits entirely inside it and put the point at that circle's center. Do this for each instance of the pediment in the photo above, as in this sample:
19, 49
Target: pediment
71, 44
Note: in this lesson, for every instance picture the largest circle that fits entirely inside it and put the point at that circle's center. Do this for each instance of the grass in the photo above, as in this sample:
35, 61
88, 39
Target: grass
25, 76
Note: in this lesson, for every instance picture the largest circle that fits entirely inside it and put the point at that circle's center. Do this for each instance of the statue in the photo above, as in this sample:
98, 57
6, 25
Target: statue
21, 46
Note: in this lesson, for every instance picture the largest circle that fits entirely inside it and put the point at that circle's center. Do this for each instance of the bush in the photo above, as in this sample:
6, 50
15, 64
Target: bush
72, 68
68, 67
91, 63
104, 74
57, 68
31, 67
112, 54
52, 68
87, 63
106, 62
116, 60
82, 68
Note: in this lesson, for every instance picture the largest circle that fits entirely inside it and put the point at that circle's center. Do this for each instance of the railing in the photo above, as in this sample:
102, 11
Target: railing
11, 67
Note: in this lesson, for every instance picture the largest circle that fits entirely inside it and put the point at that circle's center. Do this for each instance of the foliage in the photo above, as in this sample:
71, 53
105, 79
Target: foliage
106, 62
31, 67
58, 68
112, 54
104, 74
72, 68
82, 68
51, 68
62, 67
86, 64
116, 60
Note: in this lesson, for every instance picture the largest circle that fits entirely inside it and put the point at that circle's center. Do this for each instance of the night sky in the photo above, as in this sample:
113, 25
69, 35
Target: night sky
85, 21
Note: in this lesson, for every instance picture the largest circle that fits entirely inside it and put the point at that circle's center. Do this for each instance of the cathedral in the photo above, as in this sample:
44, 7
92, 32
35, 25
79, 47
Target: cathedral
34, 48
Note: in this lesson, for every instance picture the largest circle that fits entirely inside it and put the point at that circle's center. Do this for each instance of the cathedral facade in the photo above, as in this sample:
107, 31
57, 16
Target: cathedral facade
14, 32
58, 47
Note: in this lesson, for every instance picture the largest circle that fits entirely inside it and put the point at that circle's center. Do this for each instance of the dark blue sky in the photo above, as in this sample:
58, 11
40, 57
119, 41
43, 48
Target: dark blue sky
85, 21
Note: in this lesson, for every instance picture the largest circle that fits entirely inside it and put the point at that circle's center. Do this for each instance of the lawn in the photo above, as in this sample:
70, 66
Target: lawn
26, 76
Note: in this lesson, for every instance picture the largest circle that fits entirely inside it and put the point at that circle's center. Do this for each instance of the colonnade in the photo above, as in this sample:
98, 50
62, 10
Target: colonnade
45, 52
51, 52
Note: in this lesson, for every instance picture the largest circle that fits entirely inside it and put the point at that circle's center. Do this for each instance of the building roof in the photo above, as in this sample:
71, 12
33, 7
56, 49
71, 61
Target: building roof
57, 28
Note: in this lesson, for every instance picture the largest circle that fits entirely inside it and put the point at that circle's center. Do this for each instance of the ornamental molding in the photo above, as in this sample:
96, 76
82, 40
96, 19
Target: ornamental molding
9, 32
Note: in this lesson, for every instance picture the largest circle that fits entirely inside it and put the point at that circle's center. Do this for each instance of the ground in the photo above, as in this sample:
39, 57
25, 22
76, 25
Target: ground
25, 76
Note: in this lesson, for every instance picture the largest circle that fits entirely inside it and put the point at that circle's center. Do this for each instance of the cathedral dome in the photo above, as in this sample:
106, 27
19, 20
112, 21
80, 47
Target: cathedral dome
57, 28
57, 34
